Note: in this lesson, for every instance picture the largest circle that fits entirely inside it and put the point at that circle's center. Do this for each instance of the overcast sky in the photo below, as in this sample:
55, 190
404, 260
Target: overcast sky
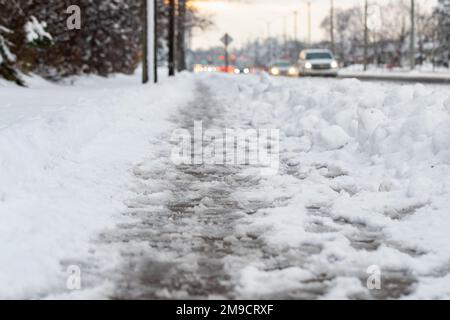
247, 19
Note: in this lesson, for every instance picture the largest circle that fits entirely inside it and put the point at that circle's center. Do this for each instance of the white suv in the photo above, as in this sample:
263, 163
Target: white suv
317, 62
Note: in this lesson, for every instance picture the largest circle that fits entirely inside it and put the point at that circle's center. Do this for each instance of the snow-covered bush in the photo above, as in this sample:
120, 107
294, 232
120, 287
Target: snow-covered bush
36, 33
5, 52
108, 42
7, 58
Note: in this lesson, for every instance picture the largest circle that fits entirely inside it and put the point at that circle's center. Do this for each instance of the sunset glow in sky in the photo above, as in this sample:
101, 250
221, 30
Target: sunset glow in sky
247, 19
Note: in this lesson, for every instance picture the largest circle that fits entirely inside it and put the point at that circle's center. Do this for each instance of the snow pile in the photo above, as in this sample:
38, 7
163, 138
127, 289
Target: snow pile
364, 181
403, 123
65, 152
272, 282
333, 137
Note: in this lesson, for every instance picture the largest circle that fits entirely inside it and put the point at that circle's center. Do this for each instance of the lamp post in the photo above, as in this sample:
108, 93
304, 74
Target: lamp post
332, 25
296, 26
309, 24
150, 41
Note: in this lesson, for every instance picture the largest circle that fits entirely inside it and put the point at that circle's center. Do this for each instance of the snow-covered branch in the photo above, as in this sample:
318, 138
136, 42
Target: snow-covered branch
36, 32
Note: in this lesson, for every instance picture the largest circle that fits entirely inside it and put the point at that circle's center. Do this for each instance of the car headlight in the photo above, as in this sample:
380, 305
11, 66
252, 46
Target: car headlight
308, 65
292, 71
275, 71
334, 64
246, 70
237, 71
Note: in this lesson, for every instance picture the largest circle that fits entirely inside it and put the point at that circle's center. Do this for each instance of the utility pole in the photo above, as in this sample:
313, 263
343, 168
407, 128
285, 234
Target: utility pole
191, 34
155, 41
145, 44
296, 26
332, 26
181, 35
285, 36
270, 41
309, 23
412, 45
171, 40
296, 33
149, 39
227, 59
226, 40
255, 53
366, 33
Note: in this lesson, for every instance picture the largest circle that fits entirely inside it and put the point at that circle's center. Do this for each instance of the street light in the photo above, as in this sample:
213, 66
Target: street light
309, 23
149, 41
285, 40
296, 44
332, 25
296, 26
308, 5
269, 24
269, 35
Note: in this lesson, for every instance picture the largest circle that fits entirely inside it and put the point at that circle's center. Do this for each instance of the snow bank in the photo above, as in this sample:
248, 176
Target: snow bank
424, 75
409, 122
359, 159
65, 152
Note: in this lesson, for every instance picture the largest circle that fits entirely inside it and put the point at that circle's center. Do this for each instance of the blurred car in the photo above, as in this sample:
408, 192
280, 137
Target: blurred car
243, 70
199, 68
283, 68
230, 69
318, 62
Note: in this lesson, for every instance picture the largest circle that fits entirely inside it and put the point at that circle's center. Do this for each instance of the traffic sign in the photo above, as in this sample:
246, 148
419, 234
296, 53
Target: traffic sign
226, 39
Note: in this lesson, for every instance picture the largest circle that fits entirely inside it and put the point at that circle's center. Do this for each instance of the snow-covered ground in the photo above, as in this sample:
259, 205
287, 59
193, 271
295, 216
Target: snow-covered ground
87, 179
66, 152
366, 172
